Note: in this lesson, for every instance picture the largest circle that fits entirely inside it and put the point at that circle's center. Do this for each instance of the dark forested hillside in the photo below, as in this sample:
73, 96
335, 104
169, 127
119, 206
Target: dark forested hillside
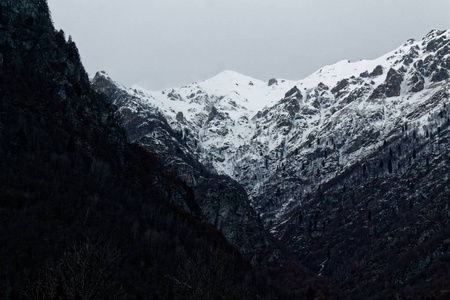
84, 214
382, 228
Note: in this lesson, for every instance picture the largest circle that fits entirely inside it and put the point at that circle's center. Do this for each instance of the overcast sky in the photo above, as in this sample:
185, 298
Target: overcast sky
167, 43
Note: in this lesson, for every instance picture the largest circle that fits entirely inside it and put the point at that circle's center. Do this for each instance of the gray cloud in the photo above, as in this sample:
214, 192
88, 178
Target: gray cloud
165, 43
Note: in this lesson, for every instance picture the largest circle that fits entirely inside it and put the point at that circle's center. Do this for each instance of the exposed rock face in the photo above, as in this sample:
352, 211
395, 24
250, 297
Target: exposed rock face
417, 83
376, 72
393, 83
180, 117
30, 45
339, 86
272, 81
391, 86
294, 92
50, 55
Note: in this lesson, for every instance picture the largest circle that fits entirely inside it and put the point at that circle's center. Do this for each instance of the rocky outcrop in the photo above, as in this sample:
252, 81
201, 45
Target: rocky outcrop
272, 81
377, 71
391, 86
393, 83
212, 114
441, 74
50, 56
294, 92
339, 87
416, 83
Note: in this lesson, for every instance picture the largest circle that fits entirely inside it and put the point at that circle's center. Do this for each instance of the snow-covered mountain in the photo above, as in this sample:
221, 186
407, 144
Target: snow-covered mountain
306, 150
302, 131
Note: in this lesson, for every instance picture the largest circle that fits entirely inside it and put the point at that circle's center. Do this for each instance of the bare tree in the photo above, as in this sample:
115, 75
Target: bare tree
206, 277
83, 272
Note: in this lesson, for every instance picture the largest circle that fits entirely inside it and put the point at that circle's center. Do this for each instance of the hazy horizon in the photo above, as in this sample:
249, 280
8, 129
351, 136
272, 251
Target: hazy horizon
161, 44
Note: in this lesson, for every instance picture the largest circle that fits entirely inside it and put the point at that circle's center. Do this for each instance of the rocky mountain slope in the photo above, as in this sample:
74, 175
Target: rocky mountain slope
349, 155
217, 199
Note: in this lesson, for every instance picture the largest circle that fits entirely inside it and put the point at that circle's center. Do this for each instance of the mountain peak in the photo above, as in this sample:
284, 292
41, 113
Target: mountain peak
229, 73
102, 75
230, 77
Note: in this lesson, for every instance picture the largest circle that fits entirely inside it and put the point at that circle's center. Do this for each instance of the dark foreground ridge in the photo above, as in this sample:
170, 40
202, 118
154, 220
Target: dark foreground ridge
86, 215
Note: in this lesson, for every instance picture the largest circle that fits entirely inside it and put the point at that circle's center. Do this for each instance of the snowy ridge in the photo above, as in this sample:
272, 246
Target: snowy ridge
248, 94
216, 111
282, 138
